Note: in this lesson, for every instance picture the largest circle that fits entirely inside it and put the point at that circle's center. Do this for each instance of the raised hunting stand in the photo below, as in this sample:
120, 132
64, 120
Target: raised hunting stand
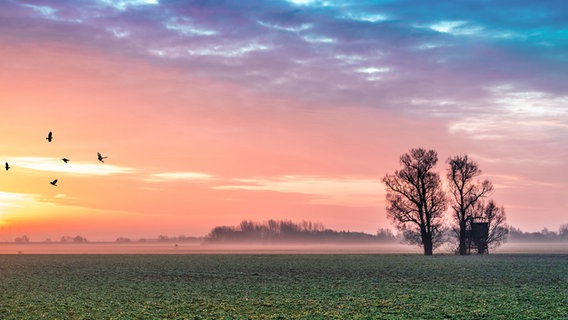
477, 234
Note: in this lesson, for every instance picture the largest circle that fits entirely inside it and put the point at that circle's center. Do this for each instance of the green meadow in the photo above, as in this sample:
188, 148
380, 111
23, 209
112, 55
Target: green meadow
283, 286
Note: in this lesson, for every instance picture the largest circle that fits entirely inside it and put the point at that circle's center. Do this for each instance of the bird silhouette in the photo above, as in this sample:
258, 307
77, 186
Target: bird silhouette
49, 136
54, 182
7, 166
65, 160
100, 157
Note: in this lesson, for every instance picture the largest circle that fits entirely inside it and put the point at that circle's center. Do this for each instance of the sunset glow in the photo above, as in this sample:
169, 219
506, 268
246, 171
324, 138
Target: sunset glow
216, 112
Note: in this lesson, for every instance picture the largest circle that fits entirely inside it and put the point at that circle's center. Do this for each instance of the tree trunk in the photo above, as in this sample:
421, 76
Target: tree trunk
427, 249
427, 243
463, 242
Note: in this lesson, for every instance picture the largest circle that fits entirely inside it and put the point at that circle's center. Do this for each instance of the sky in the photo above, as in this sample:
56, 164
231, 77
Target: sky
212, 112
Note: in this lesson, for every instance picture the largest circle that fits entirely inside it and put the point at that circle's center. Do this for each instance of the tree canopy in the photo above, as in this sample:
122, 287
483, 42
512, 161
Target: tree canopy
416, 201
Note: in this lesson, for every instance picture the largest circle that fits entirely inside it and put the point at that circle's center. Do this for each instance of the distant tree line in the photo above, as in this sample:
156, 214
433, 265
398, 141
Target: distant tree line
22, 239
64, 239
382, 235
75, 239
545, 235
81, 239
274, 231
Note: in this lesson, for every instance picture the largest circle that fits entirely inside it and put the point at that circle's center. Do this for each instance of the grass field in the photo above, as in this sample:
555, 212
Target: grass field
280, 286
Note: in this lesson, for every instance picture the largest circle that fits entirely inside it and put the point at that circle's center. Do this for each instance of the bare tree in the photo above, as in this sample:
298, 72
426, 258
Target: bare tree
465, 192
416, 200
495, 217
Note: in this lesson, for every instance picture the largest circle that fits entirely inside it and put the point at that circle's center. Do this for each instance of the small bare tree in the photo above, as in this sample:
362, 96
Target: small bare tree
465, 192
416, 200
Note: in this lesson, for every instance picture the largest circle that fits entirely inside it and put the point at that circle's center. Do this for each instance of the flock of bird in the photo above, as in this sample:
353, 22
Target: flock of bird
49, 138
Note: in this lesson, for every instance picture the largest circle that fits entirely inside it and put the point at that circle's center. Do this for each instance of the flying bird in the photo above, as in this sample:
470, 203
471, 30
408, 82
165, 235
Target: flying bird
7, 166
49, 136
54, 182
100, 157
65, 160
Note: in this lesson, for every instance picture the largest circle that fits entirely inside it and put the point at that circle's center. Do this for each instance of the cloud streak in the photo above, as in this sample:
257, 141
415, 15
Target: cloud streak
180, 176
72, 168
321, 190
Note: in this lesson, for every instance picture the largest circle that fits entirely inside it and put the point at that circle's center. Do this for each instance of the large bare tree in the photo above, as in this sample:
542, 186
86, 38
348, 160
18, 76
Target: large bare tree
465, 191
416, 200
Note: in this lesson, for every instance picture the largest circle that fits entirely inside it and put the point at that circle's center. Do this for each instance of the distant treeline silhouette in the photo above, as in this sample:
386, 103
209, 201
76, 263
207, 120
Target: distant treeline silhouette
64, 239
305, 231
274, 231
545, 235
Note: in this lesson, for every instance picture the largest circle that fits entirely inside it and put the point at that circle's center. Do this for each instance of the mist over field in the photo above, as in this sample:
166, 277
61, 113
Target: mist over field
259, 248
279, 237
